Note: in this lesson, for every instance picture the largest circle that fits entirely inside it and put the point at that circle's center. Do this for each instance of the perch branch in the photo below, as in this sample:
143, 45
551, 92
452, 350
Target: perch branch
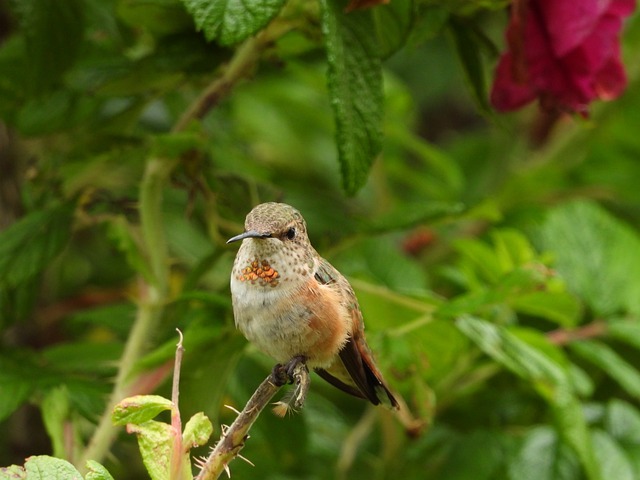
233, 438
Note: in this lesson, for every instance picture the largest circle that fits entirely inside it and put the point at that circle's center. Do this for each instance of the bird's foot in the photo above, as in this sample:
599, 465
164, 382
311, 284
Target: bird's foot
279, 375
292, 365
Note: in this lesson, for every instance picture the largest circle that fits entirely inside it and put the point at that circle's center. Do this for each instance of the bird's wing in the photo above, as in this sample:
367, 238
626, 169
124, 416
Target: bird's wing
355, 355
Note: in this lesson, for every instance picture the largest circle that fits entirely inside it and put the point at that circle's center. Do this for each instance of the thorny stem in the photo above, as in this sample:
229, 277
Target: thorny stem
233, 438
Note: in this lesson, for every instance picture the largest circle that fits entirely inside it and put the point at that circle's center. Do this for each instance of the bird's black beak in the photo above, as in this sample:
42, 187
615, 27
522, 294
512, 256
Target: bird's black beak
249, 234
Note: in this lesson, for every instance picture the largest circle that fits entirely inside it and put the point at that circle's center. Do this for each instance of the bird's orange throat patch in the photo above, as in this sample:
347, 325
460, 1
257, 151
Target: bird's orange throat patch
259, 271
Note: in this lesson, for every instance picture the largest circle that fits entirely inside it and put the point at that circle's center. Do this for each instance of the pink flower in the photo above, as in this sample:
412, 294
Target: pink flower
566, 53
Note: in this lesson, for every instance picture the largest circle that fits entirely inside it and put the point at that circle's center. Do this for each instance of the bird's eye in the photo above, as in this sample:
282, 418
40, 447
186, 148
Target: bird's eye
291, 233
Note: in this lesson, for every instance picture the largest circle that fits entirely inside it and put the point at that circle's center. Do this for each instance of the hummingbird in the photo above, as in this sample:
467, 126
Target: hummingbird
294, 306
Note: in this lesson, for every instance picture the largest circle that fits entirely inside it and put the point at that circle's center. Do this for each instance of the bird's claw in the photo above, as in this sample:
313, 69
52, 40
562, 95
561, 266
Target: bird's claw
291, 365
279, 375
286, 373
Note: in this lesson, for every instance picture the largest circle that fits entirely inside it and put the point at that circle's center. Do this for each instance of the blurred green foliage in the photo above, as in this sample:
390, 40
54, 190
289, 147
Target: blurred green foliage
496, 259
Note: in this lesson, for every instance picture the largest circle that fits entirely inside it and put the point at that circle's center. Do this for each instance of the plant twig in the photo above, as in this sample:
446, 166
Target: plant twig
233, 438
241, 65
177, 455
591, 330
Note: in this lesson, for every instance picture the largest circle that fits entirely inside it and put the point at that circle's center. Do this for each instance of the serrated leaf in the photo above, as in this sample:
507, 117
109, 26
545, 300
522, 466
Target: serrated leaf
139, 409
97, 472
354, 78
596, 254
613, 364
550, 379
197, 431
513, 353
623, 421
27, 246
155, 440
544, 457
231, 21
53, 33
572, 425
611, 458
44, 467
12, 472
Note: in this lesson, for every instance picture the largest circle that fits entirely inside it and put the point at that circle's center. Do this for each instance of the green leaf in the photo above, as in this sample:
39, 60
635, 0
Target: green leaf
393, 23
173, 145
354, 78
27, 246
597, 255
481, 257
97, 472
88, 357
412, 215
161, 17
513, 353
468, 49
15, 392
512, 248
53, 33
544, 457
155, 440
58, 111
13, 472
560, 307
622, 421
611, 457
44, 467
122, 234
627, 331
197, 431
139, 409
478, 455
572, 425
231, 21
608, 360
550, 379
55, 412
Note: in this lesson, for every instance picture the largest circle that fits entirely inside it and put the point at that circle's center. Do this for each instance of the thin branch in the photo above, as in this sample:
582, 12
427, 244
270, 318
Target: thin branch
241, 65
177, 456
591, 330
233, 438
